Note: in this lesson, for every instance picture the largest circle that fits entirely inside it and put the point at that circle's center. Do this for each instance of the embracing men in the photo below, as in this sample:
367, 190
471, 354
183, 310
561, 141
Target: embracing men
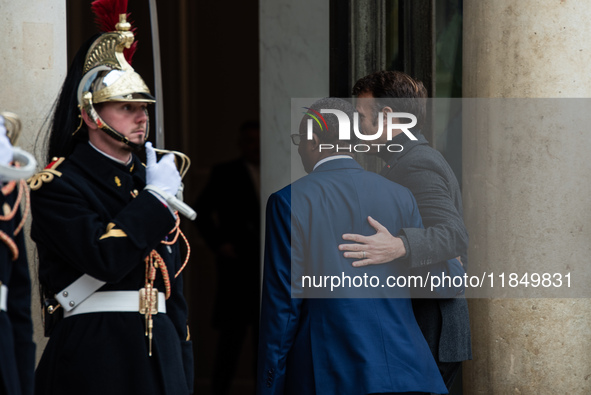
346, 345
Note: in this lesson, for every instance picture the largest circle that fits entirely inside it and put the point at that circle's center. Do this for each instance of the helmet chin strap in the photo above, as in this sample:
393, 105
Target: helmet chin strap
105, 127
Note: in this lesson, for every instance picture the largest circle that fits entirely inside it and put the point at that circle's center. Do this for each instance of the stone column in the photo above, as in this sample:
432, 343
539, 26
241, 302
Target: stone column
33, 48
526, 194
294, 55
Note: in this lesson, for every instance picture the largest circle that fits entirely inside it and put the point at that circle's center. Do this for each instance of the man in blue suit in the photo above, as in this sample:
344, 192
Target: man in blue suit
357, 343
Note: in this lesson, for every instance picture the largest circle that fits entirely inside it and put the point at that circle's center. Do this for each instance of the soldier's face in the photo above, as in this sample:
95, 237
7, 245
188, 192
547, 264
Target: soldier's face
128, 118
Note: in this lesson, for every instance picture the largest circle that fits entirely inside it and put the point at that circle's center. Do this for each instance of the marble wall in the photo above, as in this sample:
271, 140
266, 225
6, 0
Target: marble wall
294, 59
32, 37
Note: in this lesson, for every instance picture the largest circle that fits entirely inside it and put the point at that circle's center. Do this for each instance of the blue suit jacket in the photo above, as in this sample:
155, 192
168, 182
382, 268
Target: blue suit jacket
347, 345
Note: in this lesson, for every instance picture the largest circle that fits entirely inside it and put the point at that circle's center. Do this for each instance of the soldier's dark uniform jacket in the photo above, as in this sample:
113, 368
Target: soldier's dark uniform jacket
17, 350
91, 216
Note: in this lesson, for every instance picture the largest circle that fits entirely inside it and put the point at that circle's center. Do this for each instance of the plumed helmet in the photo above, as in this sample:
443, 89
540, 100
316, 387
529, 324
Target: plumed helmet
107, 73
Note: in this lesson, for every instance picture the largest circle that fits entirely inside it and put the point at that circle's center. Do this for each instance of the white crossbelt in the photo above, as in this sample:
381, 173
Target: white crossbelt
3, 297
114, 301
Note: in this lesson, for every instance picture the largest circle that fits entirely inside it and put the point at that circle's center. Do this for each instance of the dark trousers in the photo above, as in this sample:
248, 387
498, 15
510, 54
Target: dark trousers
449, 371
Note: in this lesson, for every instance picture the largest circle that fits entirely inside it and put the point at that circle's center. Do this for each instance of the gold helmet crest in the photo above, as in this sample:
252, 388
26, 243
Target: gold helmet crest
107, 74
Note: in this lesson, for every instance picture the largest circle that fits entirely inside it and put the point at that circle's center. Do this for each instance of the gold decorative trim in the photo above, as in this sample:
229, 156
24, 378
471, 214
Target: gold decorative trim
46, 175
108, 50
185, 161
112, 232
148, 301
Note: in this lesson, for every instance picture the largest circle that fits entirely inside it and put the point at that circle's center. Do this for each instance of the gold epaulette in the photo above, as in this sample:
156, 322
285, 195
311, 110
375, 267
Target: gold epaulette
45, 175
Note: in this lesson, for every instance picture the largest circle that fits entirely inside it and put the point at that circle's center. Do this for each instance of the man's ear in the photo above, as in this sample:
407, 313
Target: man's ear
89, 122
315, 142
386, 110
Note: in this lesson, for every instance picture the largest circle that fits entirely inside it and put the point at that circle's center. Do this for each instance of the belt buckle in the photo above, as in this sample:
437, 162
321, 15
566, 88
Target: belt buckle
148, 301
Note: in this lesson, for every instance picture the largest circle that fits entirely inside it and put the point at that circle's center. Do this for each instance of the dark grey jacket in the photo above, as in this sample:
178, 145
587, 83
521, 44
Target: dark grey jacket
423, 170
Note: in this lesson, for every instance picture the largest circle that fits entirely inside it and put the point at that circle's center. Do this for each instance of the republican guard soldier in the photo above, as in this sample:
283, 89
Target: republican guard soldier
107, 234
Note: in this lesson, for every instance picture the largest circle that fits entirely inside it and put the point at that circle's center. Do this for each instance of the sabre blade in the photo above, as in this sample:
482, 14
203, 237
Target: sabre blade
159, 108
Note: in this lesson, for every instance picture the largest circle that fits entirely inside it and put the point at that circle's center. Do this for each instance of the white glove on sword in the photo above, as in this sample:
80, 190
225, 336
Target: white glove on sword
163, 178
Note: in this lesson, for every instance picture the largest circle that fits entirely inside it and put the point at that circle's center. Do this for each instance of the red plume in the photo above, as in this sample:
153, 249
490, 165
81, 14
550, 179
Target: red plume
107, 16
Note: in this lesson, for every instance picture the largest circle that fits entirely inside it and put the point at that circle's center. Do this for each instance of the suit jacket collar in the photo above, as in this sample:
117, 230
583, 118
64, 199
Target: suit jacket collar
407, 145
337, 164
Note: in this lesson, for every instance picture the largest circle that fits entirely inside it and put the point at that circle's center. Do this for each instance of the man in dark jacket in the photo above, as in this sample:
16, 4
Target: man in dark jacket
423, 170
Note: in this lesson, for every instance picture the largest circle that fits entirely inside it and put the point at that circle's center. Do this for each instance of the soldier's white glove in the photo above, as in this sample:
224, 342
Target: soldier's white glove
163, 174
5, 146
164, 181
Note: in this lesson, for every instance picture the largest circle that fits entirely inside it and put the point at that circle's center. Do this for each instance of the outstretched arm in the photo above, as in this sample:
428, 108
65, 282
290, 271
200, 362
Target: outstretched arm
444, 237
372, 250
